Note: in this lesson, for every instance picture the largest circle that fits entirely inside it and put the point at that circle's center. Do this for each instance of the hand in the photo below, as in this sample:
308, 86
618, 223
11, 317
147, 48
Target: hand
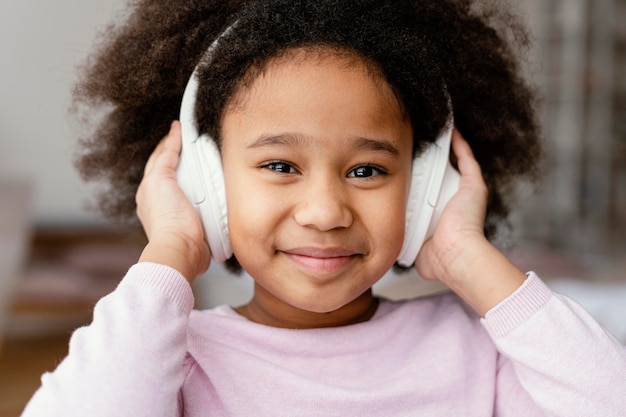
458, 254
175, 234
462, 221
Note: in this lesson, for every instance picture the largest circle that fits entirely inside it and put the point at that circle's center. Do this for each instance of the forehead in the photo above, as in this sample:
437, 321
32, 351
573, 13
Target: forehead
323, 95
291, 63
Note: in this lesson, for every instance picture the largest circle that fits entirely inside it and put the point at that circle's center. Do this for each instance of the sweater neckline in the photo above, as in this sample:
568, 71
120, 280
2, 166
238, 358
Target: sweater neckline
383, 307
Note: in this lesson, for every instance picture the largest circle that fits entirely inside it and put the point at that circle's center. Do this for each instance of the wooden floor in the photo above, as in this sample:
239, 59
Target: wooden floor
22, 362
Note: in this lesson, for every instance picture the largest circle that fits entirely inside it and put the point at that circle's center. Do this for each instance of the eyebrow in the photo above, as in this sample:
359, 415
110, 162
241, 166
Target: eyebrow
295, 140
286, 139
376, 145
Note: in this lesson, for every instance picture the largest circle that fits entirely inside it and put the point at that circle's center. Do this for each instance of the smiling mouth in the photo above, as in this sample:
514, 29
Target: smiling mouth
322, 260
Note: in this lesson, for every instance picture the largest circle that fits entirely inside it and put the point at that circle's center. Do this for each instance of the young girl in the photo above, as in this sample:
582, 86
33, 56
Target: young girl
318, 109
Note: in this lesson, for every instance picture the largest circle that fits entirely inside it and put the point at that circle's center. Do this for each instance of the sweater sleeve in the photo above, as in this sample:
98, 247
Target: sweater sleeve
565, 361
129, 360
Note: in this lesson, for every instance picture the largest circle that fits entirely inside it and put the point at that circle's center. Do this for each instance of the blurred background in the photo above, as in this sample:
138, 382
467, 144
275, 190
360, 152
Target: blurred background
57, 257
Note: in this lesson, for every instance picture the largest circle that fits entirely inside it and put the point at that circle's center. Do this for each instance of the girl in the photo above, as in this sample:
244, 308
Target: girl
318, 110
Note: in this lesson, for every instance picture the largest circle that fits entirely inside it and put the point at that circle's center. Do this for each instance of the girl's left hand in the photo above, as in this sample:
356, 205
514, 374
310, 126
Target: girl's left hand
462, 222
459, 254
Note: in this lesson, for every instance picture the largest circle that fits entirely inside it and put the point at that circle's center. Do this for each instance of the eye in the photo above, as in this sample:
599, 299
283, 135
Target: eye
366, 171
280, 167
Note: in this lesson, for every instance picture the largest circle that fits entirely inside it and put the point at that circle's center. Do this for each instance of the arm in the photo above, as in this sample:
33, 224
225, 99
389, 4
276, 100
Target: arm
558, 354
129, 361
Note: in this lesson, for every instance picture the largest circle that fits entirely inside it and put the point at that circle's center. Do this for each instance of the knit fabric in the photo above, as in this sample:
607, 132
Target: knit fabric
146, 353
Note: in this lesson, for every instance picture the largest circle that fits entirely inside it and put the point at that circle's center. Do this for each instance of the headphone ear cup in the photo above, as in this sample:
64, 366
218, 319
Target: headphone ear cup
449, 187
433, 182
201, 177
200, 173
213, 210
417, 209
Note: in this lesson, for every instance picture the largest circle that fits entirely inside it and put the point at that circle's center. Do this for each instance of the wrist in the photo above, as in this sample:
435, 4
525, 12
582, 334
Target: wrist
483, 276
179, 255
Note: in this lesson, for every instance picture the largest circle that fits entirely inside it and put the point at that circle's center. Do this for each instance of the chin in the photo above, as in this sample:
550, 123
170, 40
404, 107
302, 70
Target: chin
317, 306
324, 304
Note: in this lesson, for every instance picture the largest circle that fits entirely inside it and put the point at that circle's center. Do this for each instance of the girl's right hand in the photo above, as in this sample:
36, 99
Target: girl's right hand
175, 234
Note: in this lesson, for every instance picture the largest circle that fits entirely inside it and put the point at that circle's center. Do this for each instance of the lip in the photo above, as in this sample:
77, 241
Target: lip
321, 259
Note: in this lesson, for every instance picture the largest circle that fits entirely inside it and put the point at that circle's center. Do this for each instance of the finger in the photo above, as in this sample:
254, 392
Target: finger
167, 150
468, 166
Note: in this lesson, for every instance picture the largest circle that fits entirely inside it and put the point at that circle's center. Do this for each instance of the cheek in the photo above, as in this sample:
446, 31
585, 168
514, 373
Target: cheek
390, 232
385, 218
252, 214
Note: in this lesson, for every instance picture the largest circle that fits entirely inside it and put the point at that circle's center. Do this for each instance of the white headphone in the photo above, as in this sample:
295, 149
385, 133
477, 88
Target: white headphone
434, 181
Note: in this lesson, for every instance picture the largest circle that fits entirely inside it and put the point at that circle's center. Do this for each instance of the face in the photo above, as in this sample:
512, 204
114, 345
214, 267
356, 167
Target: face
317, 161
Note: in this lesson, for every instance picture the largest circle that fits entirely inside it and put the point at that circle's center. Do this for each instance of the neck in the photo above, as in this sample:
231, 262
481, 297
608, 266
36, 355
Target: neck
270, 312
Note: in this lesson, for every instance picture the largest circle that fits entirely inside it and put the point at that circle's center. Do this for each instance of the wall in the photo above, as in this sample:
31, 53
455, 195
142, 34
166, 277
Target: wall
41, 43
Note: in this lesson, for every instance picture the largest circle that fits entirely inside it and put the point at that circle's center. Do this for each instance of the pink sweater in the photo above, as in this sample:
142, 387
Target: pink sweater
148, 354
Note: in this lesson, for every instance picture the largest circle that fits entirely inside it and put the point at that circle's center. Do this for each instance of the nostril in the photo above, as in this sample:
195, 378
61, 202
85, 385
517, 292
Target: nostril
324, 213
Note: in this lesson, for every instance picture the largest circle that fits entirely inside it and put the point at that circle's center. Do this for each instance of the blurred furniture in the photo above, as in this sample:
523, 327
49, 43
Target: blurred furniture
69, 269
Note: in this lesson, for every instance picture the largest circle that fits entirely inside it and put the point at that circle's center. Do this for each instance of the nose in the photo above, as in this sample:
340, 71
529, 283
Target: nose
324, 205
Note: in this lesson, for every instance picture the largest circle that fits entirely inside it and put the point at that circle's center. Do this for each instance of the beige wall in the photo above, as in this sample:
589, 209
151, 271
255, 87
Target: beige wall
41, 42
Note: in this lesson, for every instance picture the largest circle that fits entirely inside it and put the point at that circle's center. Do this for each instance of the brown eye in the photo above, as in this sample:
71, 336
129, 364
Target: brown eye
280, 167
365, 171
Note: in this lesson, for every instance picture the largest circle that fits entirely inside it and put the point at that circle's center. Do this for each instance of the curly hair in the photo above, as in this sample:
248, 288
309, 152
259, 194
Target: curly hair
432, 54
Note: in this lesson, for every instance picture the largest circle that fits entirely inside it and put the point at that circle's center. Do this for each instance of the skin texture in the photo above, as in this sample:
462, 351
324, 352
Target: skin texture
324, 226
319, 235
